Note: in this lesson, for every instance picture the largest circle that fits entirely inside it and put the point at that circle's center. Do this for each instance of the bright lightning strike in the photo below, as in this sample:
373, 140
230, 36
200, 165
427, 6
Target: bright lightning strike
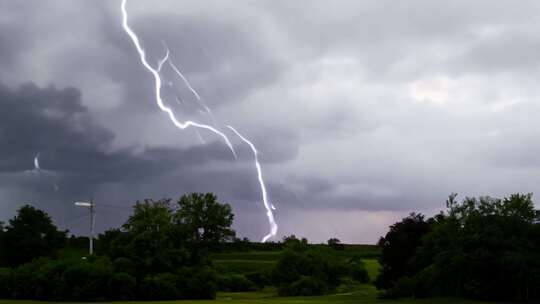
269, 207
183, 125
36, 163
197, 96
157, 82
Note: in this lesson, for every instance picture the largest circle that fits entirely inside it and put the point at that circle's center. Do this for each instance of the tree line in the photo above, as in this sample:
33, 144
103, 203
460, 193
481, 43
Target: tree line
485, 248
161, 252
479, 248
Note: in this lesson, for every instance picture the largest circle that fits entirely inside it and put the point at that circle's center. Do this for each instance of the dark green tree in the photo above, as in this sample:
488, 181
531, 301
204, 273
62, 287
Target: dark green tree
30, 234
335, 244
485, 248
398, 248
149, 240
203, 221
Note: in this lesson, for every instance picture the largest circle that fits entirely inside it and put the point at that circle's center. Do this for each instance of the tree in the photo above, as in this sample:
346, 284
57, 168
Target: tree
398, 248
293, 243
335, 244
30, 234
203, 221
149, 240
483, 248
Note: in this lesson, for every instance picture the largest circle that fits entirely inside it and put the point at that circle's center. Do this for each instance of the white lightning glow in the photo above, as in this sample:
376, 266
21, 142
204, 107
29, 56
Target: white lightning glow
193, 91
183, 125
157, 83
36, 163
42, 172
269, 206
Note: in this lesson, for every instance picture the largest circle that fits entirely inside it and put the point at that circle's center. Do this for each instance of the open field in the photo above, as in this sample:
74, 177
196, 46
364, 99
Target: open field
249, 261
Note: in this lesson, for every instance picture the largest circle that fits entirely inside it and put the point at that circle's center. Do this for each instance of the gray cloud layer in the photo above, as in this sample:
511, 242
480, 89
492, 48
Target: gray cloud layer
362, 110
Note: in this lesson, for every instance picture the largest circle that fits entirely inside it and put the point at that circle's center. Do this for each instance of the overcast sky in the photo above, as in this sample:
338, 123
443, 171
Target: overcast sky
362, 111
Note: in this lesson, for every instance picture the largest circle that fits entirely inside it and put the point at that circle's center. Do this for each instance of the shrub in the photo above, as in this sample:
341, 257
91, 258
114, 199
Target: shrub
259, 278
87, 280
294, 267
5, 283
236, 282
199, 283
160, 287
357, 270
124, 265
305, 286
23, 279
122, 286
404, 287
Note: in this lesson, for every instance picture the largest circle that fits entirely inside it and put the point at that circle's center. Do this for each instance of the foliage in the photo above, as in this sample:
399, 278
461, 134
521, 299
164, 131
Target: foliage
335, 244
398, 247
306, 271
482, 248
291, 242
159, 253
357, 270
122, 286
203, 221
236, 283
30, 234
161, 286
259, 278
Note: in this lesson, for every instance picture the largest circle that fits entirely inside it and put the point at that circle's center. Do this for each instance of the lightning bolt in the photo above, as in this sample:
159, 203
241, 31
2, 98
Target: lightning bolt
269, 207
184, 125
36, 162
157, 83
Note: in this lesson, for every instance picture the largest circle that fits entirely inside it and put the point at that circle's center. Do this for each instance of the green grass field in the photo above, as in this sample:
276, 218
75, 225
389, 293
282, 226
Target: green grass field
245, 262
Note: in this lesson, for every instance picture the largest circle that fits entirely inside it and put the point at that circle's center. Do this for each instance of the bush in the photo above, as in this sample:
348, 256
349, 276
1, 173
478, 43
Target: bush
122, 287
305, 286
259, 278
124, 265
404, 287
23, 279
235, 283
357, 271
45, 279
160, 287
87, 280
5, 283
200, 283
307, 270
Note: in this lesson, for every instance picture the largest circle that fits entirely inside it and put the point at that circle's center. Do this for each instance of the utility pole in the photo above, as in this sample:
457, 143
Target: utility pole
90, 206
91, 227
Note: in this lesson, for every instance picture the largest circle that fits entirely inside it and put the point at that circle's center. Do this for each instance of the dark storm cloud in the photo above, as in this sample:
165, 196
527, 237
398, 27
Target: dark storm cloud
75, 152
55, 124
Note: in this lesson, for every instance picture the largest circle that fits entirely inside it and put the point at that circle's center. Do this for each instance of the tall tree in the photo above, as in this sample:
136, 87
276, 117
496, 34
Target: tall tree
148, 240
30, 234
398, 248
203, 220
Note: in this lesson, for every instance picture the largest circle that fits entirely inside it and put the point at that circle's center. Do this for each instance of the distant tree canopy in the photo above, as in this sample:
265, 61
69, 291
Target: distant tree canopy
482, 248
159, 236
335, 244
159, 253
30, 234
